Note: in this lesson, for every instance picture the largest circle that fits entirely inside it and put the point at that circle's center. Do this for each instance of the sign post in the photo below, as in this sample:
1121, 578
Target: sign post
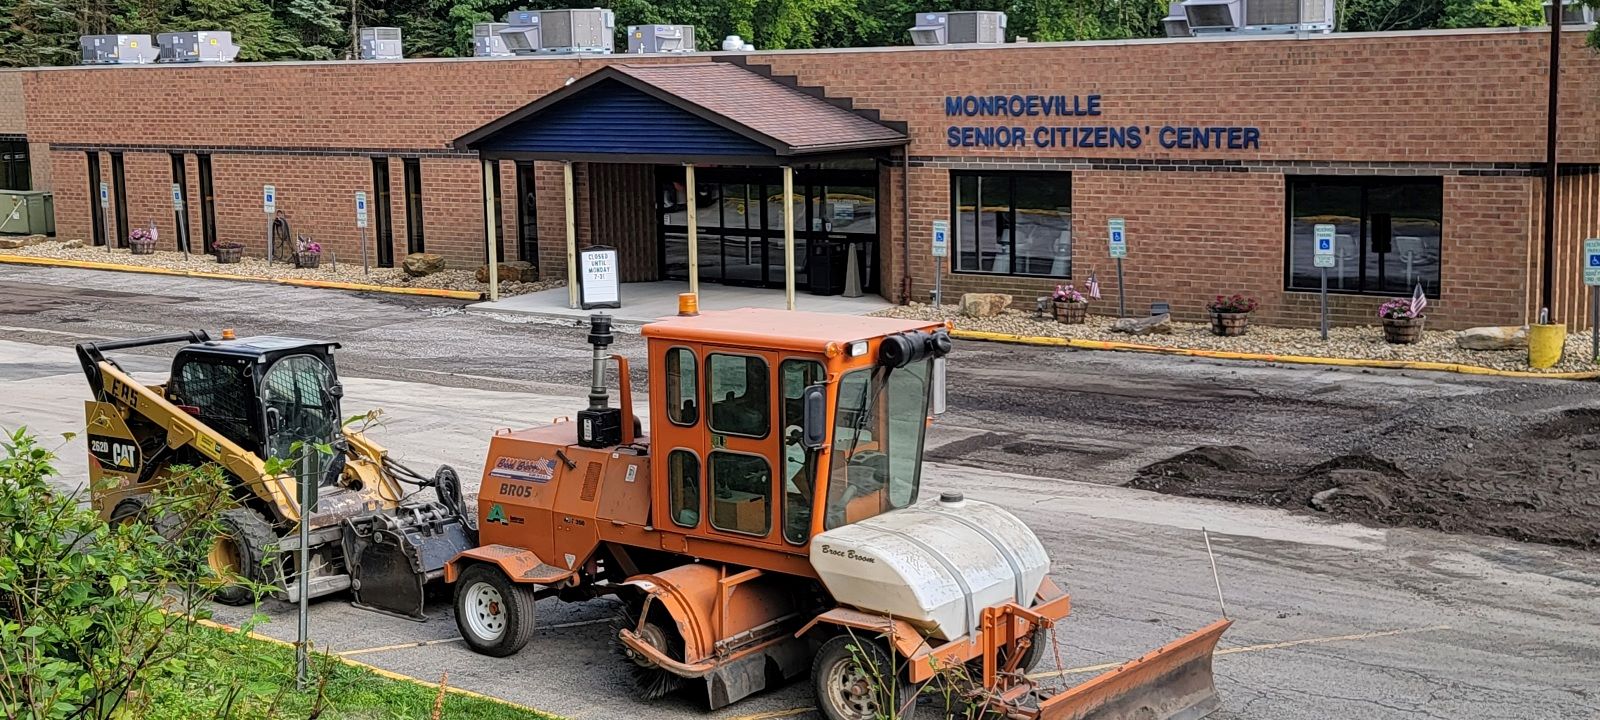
308, 504
941, 249
105, 207
1118, 236
1324, 259
269, 202
361, 222
1591, 277
183, 220
598, 281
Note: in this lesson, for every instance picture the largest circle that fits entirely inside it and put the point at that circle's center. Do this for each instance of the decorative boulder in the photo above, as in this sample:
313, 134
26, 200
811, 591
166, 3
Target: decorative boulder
513, 271
984, 305
72, 244
1153, 325
1493, 338
13, 243
422, 264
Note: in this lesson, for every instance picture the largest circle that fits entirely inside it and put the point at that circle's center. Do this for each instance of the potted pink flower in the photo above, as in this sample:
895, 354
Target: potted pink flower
1230, 315
307, 253
142, 241
1402, 321
1070, 306
228, 251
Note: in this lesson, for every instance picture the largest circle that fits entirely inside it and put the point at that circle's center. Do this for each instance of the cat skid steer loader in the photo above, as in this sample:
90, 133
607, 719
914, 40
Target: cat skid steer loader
239, 402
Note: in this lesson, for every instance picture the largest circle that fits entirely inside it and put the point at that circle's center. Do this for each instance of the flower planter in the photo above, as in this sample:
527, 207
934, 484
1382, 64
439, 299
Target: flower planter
1229, 324
1071, 313
229, 255
307, 260
142, 247
1403, 331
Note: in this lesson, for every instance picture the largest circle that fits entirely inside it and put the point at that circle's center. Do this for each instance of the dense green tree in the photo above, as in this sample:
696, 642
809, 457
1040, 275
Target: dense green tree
1492, 13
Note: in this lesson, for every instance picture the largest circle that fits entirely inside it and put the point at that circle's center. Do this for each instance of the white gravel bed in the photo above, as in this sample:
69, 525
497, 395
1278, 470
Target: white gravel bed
1365, 343
258, 267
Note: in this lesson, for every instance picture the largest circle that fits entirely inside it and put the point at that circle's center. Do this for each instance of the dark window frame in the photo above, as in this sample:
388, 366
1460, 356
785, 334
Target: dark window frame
383, 216
119, 194
208, 203
97, 214
16, 165
711, 402
180, 176
1366, 184
527, 212
695, 371
416, 237
952, 261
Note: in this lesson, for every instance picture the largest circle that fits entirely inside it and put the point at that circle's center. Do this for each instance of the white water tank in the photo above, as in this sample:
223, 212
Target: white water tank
936, 564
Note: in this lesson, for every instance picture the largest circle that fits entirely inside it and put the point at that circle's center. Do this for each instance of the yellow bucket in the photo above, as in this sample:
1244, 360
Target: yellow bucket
1545, 343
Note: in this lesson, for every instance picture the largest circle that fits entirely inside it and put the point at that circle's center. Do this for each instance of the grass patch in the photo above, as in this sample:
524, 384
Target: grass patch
227, 675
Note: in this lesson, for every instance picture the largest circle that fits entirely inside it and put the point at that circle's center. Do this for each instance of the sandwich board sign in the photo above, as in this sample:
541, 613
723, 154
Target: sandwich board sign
1118, 234
941, 238
598, 278
1323, 234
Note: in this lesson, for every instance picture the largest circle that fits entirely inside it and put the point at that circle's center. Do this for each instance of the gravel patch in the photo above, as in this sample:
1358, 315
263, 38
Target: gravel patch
258, 267
1363, 343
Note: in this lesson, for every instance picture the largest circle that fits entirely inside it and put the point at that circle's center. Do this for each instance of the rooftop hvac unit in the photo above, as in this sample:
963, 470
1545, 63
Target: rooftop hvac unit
521, 32
1176, 23
577, 31
1212, 15
1573, 12
959, 27
118, 49
486, 40
661, 38
1288, 15
200, 46
381, 43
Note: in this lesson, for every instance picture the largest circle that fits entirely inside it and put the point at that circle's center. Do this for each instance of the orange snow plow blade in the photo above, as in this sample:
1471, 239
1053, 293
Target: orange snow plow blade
1171, 683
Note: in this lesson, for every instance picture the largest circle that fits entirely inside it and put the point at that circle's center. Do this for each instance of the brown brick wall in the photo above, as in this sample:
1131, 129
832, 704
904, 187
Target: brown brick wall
12, 117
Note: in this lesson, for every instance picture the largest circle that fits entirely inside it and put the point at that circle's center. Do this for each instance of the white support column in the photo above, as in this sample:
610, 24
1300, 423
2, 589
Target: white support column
572, 236
788, 236
490, 224
693, 213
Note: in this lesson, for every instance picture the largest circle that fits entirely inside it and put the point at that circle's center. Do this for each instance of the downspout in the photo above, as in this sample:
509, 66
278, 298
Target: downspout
905, 227
1547, 281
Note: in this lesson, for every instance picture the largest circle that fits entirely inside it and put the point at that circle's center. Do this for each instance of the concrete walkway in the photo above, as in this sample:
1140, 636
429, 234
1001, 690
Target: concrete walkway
647, 302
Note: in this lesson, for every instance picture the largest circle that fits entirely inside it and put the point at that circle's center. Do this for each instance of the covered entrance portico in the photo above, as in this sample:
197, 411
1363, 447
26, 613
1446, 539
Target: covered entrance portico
705, 171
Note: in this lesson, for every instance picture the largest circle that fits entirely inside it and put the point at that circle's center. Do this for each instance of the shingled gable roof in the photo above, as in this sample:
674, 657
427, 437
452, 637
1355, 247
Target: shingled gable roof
759, 117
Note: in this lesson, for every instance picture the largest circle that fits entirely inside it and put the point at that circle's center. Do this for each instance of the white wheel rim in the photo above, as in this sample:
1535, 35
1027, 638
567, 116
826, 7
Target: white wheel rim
852, 690
485, 612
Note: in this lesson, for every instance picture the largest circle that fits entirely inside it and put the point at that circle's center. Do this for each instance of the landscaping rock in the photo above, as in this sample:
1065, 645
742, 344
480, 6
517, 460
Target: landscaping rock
513, 271
14, 242
984, 305
1493, 338
1153, 325
72, 244
423, 264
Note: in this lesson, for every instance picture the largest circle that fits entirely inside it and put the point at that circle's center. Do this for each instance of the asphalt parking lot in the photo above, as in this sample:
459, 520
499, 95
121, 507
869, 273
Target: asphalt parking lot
1332, 619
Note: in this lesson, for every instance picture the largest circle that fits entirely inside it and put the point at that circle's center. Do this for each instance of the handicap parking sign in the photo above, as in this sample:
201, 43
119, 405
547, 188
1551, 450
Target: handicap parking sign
1591, 261
1323, 257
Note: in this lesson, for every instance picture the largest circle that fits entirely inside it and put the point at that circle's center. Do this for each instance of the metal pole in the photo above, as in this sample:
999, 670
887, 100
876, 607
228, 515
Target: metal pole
1324, 303
572, 236
489, 223
269, 238
788, 236
692, 211
1547, 289
365, 267
1122, 293
1594, 324
302, 630
938, 283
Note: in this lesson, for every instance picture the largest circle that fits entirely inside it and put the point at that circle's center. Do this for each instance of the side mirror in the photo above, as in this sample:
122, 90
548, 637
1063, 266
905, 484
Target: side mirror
814, 435
938, 380
274, 420
336, 390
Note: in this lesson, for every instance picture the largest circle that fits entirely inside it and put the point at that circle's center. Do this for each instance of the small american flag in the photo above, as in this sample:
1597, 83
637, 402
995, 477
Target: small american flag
1419, 301
1094, 286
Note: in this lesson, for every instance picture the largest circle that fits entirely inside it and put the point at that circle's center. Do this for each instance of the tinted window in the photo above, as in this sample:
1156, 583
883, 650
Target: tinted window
739, 397
414, 225
799, 463
1387, 233
1013, 223
741, 487
683, 387
683, 483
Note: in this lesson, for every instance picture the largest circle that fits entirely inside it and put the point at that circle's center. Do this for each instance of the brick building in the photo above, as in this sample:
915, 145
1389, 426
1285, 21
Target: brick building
1424, 149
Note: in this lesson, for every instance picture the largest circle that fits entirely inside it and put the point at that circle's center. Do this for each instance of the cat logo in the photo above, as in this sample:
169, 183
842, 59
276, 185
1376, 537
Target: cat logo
117, 454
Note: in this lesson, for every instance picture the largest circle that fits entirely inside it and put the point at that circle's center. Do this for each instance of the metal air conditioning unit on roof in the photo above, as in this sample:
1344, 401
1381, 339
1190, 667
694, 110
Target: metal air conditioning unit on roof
199, 46
577, 31
959, 27
660, 38
486, 40
521, 32
1288, 15
1212, 15
1573, 12
118, 49
1176, 23
381, 43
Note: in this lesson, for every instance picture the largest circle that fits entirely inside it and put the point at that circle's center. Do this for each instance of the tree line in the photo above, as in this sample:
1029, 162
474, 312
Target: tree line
45, 32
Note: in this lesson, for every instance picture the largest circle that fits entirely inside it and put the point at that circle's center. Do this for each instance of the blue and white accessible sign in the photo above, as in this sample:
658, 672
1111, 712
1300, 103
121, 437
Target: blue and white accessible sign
1118, 234
361, 209
1591, 261
269, 199
105, 196
941, 238
1324, 246
177, 198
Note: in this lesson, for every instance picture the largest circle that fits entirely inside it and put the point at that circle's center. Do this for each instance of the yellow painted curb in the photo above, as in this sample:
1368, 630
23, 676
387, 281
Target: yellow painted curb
301, 282
390, 674
1259, 357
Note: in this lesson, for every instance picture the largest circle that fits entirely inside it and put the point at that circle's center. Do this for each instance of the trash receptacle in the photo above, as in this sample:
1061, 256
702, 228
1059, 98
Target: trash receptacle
825, 267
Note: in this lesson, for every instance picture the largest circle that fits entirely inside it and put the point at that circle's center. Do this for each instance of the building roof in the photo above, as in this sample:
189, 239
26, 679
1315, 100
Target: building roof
778, 329
679, 112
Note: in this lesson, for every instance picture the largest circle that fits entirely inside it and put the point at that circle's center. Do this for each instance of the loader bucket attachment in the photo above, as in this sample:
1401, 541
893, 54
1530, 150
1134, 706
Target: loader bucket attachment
393, 556
1172, 683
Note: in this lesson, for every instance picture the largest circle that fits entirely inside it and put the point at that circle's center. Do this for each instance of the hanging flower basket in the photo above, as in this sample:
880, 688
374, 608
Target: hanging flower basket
228, 253
307, 259
1403, 331
1070, 313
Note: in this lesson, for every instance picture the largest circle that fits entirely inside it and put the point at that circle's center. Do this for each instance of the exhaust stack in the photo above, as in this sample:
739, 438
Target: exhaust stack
600, 425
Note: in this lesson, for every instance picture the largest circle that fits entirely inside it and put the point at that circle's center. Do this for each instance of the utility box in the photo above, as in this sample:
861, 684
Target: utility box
521, 32
660, 38
27, 212
986, 27
118, 49
199, 46
1176, 23
577, 31
486, 40
381, 43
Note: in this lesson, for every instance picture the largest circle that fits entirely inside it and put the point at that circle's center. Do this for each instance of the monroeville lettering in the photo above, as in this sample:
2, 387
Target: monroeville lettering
1130, 137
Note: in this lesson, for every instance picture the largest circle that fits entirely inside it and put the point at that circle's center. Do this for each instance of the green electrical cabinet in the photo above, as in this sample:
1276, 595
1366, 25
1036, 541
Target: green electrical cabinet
27, 212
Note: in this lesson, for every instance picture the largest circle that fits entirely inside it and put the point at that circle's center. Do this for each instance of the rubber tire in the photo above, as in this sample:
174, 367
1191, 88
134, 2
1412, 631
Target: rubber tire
253, 538
519, 599
837, 650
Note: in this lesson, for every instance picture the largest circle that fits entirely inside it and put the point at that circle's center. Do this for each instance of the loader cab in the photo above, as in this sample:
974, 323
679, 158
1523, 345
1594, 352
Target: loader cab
768, 427
263, 393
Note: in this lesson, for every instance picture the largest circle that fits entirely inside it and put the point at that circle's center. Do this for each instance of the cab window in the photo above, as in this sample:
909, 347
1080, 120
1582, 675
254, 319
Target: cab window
738, 388
683, 387
741, 487
799, 463
877, 442
683, 482
223, 393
